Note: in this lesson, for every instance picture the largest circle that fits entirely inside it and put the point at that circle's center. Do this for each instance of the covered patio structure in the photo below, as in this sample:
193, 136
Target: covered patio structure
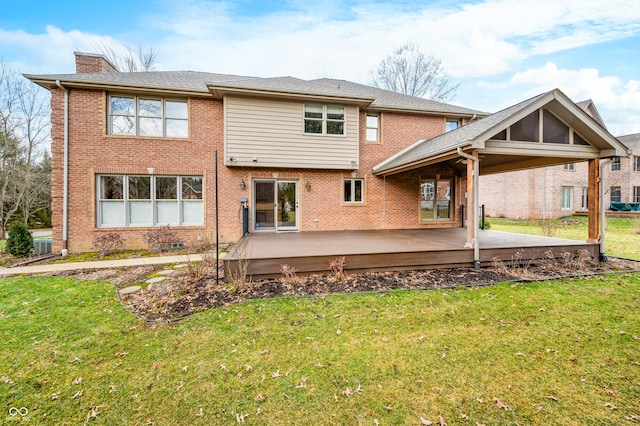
546, 130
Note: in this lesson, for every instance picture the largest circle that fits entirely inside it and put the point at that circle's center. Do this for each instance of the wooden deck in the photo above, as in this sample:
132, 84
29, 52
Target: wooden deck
263, 254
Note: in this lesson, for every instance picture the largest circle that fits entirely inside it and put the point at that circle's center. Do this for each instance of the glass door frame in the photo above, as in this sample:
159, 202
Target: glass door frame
276, 227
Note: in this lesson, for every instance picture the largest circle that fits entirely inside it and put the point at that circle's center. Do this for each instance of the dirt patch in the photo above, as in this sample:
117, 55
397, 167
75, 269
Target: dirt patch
182, 293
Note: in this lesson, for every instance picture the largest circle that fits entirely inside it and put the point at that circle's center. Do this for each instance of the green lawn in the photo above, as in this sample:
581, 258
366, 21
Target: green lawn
559, 352
621, 234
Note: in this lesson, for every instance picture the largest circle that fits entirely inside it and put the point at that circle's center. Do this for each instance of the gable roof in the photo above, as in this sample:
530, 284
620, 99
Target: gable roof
475, 134
590, 108
218, 85
631, 141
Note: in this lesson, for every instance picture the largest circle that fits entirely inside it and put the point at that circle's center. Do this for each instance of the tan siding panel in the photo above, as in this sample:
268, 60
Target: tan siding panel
272, 132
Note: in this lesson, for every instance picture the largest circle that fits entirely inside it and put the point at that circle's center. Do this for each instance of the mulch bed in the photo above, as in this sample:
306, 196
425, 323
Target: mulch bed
194, 289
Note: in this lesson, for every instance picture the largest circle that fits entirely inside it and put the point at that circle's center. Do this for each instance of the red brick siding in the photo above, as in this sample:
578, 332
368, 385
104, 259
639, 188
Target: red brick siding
388, 203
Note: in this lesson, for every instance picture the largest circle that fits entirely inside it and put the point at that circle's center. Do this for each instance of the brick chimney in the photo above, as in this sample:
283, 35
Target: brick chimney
93, 63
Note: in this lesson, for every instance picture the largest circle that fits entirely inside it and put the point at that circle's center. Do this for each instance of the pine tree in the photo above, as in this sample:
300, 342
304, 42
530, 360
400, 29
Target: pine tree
20, 241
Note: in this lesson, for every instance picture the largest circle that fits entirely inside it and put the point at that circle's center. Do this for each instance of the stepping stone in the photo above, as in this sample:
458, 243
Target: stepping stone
155, 280
129, 290
166, 272
180, 266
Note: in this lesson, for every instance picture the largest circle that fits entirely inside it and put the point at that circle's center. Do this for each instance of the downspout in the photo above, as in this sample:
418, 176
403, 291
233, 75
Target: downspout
474, 215
603, 216
65, 178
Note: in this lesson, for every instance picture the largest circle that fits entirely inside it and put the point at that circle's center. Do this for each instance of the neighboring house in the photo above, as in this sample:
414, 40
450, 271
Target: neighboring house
560, 191
132, 151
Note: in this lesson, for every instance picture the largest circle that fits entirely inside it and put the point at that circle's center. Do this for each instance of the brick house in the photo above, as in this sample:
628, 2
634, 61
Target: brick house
131, 151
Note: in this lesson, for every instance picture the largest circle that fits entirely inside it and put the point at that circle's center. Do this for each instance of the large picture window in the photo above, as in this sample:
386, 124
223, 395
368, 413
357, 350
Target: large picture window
324, 120
435, 199
149, 200
156, 117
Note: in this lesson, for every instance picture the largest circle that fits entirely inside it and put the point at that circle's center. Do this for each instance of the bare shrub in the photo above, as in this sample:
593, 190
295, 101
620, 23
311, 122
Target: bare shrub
500, 265
336, 268
108, 242
160, 238
238, 279
549, 227
198, 269
288, 274
578, 262
518, 265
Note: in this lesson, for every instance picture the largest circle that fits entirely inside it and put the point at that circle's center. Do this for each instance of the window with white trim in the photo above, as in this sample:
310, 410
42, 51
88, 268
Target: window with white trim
373, 127
324, 120
353, 190
570, 166
567, 199
636, 163
636, 194
584, 200
615, 164
148, 116
616, 194
131, 200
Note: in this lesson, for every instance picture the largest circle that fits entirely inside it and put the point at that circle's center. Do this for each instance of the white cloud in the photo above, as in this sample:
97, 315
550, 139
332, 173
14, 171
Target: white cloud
618, 101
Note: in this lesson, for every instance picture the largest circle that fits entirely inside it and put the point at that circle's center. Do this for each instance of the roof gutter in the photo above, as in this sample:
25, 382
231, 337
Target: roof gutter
65, 178
474, 213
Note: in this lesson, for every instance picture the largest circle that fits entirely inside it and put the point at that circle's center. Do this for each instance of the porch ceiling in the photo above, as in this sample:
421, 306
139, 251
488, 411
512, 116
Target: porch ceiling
498, 156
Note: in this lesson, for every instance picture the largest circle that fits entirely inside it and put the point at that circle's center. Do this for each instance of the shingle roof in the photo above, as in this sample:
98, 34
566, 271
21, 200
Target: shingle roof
386, 99
192, 81
203, 83
449, 141
631, 141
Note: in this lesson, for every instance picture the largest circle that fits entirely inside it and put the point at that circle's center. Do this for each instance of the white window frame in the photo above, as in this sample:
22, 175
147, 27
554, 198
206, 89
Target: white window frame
352, 199
375, 128
636, 163
570, 166
636, 194
618, 190
616, 164
324, 120
584, 200
154, 203
163, 118
567, 198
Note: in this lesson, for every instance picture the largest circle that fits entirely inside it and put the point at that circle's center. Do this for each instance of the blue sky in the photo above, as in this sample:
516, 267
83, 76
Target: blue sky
500, 51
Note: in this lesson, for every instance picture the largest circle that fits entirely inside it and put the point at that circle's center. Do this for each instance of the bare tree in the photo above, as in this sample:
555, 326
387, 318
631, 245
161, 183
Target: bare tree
24, 128
130, 59
409, 71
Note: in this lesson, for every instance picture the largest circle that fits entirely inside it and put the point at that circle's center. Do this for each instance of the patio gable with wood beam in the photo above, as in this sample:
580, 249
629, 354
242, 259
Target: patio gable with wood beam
546, 130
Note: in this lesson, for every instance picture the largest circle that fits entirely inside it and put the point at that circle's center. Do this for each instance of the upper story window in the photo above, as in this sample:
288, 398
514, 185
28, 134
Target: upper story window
570, 166
616, 194
636, 163
140, 116
373, 127
324, 120
452, 124
615, 164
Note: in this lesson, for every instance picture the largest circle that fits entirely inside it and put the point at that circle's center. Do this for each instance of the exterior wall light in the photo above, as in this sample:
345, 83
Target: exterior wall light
308, 186
243, 185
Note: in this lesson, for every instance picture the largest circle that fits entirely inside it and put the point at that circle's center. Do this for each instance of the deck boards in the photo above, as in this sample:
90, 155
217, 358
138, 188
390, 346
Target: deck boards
310, 252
